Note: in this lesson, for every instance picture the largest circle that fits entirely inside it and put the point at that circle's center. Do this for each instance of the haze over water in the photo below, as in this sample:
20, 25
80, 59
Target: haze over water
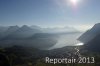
67, 40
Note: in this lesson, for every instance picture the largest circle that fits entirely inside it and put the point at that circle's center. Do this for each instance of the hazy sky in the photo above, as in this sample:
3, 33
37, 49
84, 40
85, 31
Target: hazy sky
50, 13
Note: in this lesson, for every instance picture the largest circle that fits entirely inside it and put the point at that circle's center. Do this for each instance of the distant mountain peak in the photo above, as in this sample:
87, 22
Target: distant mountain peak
12, 29
25, 28
96, 26
90, 34
14, 26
